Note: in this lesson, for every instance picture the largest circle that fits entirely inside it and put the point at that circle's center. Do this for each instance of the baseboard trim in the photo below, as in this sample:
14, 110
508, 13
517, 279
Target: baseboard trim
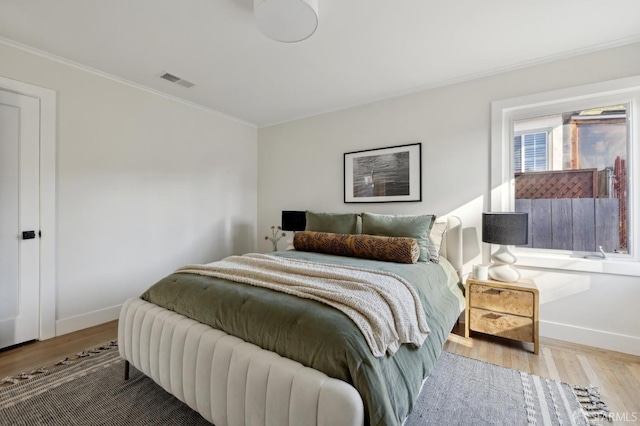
590, 337
90, 319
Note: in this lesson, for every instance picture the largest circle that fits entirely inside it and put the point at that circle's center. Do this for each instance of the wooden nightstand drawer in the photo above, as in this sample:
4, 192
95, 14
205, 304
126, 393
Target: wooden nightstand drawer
502, 300
503, 325
503, 309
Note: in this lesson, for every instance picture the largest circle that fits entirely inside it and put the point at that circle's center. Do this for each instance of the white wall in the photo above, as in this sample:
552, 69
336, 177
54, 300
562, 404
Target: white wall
145, 184
300, 166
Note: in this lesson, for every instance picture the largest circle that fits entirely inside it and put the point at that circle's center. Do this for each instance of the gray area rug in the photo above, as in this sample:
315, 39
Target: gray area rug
463, 391
90, 390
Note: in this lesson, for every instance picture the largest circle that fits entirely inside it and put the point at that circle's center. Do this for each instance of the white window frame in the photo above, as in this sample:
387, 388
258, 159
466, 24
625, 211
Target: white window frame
503, 115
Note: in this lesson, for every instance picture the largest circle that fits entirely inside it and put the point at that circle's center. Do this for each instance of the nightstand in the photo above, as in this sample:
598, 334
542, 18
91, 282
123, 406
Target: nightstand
507, 310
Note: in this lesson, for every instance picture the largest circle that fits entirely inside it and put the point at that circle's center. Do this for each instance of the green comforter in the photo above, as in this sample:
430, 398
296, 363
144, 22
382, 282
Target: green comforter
321, 337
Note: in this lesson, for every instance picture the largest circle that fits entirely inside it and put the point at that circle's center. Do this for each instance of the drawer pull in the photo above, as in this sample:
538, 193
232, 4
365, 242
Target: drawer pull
492, 316
496, 291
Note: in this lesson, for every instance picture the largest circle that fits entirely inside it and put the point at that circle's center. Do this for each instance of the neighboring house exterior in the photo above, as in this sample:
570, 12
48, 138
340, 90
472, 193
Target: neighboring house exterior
570, 176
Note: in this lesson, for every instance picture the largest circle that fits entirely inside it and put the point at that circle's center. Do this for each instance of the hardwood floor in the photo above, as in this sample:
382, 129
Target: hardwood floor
47, 352
616, 374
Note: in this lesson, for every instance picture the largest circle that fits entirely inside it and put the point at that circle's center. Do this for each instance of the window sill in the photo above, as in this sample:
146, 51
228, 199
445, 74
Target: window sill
568, 262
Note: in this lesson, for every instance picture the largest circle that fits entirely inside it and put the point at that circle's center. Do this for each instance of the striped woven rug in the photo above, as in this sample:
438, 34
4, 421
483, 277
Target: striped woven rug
463, 391
89, 390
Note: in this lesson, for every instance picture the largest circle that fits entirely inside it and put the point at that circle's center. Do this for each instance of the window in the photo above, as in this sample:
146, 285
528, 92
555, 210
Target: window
530, 152
569, 158
578, 203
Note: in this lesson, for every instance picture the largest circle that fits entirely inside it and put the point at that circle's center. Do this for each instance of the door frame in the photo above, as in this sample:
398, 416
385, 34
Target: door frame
48, 273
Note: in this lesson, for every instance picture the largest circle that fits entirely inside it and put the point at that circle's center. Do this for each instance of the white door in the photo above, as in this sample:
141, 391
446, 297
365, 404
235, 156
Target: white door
19, 214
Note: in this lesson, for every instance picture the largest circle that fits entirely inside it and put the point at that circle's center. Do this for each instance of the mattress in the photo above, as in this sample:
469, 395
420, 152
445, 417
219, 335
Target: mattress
321, 337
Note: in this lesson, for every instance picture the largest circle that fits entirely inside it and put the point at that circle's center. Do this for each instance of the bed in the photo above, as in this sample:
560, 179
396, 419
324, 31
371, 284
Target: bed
258, 356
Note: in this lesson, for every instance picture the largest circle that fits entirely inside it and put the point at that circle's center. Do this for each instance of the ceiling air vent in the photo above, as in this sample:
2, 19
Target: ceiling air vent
177, 80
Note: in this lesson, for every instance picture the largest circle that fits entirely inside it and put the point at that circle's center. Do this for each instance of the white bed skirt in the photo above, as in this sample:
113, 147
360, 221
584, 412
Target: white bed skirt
227, 380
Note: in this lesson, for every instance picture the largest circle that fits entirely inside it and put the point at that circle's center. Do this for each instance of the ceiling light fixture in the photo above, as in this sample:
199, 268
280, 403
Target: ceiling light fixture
287, 21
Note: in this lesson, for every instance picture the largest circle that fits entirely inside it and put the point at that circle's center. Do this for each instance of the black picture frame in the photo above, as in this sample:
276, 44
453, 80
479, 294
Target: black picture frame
384, 175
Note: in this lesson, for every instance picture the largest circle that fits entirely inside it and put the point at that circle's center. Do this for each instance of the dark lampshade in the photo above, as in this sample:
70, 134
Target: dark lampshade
505, 228
294, 220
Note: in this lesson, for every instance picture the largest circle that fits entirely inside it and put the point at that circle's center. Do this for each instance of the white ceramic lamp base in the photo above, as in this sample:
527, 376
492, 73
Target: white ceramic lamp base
502, 268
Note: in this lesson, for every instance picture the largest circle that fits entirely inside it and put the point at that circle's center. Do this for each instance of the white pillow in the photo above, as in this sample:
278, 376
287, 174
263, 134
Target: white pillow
435, 241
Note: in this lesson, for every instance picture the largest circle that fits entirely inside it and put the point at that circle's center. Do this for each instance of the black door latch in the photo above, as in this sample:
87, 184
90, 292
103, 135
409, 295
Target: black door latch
28, 235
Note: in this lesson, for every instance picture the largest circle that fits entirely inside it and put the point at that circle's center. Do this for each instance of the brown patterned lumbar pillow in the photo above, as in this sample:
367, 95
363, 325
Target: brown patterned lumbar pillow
389, 249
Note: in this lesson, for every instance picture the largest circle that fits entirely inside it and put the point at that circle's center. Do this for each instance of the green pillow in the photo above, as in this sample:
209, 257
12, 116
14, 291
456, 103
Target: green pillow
337, 223
417, 227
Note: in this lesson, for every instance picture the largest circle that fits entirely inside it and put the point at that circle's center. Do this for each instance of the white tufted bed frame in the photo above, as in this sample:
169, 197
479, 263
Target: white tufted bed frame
232, 382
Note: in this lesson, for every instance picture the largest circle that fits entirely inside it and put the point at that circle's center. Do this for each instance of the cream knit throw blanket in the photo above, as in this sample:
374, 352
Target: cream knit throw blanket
384, 306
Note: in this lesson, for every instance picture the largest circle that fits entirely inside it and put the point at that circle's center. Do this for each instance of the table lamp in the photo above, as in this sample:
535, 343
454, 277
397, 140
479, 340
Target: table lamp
506, 229
293, 220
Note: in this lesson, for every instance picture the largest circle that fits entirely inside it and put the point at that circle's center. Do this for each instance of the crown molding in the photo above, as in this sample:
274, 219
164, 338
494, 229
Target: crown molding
468, 77
73, 64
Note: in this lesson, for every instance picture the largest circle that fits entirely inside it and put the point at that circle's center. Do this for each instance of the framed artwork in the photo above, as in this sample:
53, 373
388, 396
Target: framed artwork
383, 175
